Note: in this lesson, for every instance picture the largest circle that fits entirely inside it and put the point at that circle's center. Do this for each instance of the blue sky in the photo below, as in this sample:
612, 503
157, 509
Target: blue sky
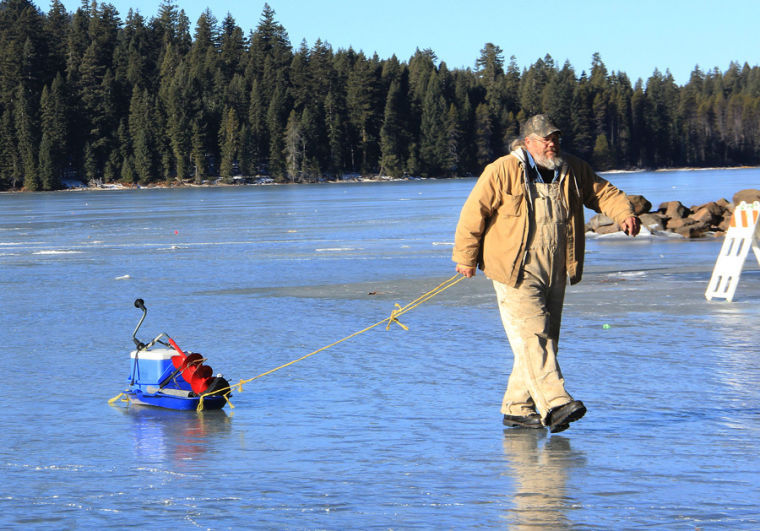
635, 37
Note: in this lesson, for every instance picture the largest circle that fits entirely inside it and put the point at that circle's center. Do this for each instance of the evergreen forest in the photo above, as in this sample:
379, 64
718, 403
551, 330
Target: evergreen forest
91, 96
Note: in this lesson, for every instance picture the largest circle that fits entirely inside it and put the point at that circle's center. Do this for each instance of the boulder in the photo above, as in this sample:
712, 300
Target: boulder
653, 221
673, 209
692, 230
600, 220
710, 213
640, 204
608, 229
750, 195
713, 206
723, 203
676, 223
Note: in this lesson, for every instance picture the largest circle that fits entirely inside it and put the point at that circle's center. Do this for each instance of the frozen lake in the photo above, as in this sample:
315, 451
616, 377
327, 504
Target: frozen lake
393, 429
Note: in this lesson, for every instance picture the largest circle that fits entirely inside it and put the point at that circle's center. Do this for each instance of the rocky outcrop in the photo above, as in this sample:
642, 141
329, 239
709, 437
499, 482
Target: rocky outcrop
640, 204
673, 216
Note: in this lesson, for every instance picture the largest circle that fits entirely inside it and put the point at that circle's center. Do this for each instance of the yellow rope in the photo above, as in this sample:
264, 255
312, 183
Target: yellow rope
119, 396
393, 318
114, 399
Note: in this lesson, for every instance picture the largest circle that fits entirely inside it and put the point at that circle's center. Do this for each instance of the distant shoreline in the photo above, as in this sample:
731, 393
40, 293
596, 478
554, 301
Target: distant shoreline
82, 187
685, 168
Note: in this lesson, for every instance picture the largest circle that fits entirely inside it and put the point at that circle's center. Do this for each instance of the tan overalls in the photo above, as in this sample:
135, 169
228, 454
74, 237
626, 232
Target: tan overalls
532, 311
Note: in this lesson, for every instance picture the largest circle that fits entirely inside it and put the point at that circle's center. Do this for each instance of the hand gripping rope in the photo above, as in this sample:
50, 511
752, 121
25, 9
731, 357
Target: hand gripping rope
392, 318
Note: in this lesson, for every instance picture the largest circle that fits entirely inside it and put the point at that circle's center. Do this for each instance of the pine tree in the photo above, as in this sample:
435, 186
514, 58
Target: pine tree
599, 85
23, 50
171, 28
638, 126
269, 42
294, 148
602, 158
124, 156
10, 167
490, 70
557, 98
277, 125
335, 124
177, 105
300, 89
421, 65
321, 70
465, 124
231, 49
658, 114
53, 146
142, 138
622, 121
391, 133
532, 85
46, 167
433, 131
229, 144
512, 86
258, 129
361, 94
198, 150
56, 28
483, 136
134, 52
26, 138
311, 140
450, 160
582, 140
205, 72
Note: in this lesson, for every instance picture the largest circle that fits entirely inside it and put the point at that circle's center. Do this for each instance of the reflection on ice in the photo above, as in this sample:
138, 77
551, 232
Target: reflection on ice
540, 466
164, 435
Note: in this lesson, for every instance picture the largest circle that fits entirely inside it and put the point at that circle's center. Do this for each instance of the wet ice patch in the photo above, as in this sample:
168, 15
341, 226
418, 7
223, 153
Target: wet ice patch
645, 235
628, 274
57, 251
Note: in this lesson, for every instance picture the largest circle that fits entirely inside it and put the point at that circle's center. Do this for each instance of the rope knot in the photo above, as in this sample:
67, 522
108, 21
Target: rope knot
394, 319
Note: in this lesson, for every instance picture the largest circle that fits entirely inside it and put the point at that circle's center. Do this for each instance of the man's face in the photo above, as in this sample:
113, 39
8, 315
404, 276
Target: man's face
545, 151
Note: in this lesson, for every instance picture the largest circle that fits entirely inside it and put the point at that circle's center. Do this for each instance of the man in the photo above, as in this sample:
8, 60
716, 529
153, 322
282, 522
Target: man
523, 225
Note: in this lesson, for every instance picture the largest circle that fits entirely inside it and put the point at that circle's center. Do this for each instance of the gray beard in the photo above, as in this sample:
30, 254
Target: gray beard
550, 163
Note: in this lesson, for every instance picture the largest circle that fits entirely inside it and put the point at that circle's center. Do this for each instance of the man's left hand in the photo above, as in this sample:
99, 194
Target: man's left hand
631, 226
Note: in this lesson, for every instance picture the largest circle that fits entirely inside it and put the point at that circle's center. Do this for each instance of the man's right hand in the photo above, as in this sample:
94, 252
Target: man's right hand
467, 271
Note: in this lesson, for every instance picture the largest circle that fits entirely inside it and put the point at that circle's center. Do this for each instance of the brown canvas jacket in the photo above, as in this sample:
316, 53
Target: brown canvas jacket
492, 232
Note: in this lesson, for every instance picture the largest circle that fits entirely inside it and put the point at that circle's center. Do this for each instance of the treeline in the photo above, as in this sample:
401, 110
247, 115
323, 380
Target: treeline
86, 95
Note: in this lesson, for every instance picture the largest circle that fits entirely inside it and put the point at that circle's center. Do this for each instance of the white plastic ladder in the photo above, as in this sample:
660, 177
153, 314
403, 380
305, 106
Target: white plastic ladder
743, 233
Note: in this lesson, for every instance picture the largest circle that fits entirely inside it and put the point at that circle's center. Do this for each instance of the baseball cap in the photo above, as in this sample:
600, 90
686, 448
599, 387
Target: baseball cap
539, 125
